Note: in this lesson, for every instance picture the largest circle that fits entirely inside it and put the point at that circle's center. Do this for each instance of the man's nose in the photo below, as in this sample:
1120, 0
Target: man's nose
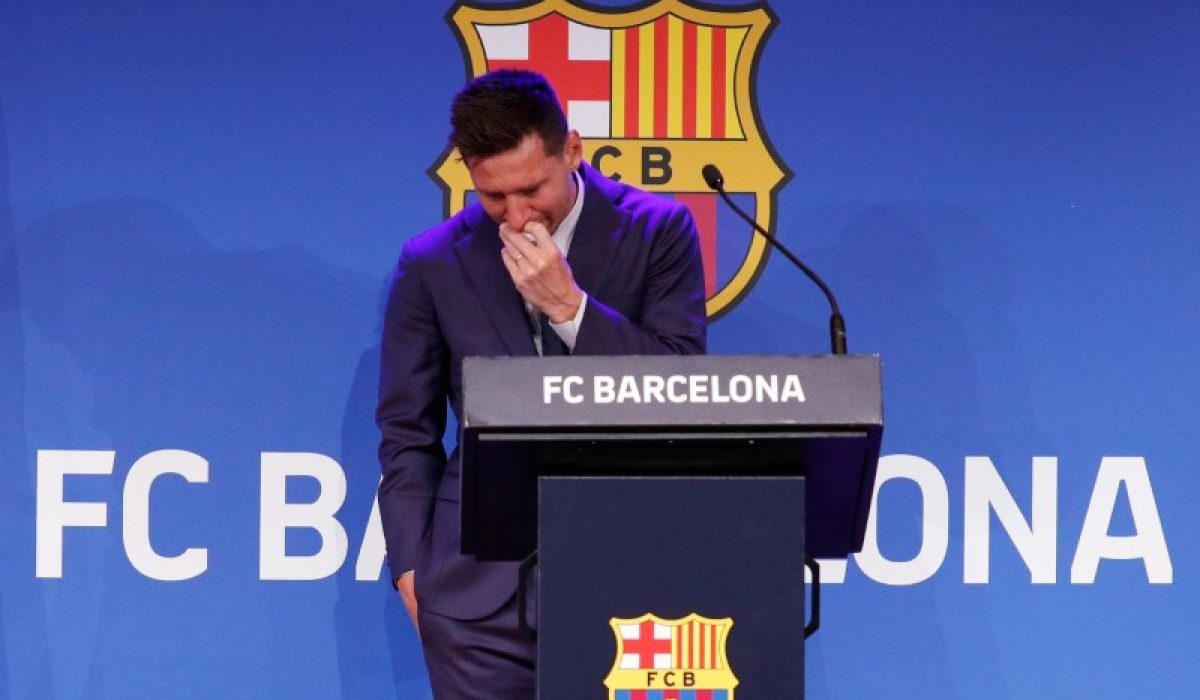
516, 213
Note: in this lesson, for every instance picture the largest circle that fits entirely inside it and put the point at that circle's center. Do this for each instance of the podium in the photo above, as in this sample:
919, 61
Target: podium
671, 503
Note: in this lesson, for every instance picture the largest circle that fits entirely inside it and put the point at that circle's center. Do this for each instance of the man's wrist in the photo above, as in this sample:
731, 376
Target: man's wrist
570, 308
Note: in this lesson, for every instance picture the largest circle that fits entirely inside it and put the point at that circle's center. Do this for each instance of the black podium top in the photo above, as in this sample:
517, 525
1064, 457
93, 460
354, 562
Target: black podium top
816, 416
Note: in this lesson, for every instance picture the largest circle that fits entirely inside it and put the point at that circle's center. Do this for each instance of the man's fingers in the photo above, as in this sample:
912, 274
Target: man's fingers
538, 270
506, 229
511, 263
519, 247
408, 594
522, 271
541, 235
524, 277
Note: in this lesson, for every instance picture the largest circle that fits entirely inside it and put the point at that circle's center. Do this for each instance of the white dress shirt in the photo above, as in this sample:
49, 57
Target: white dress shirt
568, 330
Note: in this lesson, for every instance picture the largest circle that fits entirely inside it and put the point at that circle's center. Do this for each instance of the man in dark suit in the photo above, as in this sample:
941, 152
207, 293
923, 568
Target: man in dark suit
554, 258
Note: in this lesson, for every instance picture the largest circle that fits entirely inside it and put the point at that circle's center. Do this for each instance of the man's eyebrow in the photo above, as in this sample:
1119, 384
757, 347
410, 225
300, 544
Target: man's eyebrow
498, 193
535, 185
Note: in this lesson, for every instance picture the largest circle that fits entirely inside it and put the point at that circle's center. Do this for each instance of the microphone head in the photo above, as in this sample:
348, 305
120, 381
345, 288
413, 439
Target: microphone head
712, 177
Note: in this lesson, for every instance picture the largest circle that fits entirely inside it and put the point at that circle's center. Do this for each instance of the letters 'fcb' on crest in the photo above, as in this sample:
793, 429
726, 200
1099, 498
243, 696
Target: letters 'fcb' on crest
680, 659
656, 91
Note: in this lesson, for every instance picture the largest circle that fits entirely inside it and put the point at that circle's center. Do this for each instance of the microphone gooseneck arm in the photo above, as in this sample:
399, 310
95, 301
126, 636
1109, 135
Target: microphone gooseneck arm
837, 325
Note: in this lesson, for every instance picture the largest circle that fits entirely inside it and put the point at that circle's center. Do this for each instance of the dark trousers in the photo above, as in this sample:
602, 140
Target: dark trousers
485, 659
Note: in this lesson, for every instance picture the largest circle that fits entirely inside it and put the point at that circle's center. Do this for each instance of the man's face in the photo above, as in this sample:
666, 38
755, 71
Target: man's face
523, 184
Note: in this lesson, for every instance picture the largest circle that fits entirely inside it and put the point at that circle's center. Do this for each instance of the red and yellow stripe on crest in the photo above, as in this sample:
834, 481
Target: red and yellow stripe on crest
696, 645
672, 78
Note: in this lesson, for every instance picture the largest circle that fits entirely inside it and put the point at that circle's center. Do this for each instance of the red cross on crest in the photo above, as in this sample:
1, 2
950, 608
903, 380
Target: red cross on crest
549, 54
646, 646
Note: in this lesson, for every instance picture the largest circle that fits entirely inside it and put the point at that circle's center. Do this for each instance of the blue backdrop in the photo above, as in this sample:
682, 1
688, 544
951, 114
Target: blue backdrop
200, 204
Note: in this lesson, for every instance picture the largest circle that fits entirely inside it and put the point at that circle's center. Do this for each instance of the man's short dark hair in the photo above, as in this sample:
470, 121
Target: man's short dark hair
497, 110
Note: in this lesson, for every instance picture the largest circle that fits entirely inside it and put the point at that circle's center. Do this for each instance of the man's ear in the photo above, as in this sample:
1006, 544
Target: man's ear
573, 149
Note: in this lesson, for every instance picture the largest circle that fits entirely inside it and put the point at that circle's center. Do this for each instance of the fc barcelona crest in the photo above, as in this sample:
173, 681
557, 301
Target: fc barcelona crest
660, 659
656, 91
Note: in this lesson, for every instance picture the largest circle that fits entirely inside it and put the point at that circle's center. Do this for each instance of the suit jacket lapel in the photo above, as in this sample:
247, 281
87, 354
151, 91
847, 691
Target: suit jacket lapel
597, 234
478, 252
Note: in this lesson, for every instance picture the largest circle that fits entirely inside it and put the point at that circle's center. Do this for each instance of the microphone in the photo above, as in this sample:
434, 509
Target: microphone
837, 325
713, 178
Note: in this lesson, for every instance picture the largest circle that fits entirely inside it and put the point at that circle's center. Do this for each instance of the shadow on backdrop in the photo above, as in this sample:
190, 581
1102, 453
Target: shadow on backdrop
909, 279
380, 611
15, 593
176, 344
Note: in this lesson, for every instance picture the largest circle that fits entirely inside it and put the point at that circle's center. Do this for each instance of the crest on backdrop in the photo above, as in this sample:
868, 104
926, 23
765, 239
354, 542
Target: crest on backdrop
656, 91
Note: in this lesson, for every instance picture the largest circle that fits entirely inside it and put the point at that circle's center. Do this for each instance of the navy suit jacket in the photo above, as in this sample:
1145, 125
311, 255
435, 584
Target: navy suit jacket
637, 257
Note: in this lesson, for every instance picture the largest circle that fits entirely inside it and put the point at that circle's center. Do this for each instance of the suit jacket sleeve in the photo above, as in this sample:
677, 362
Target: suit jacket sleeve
670, 314
414, 376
